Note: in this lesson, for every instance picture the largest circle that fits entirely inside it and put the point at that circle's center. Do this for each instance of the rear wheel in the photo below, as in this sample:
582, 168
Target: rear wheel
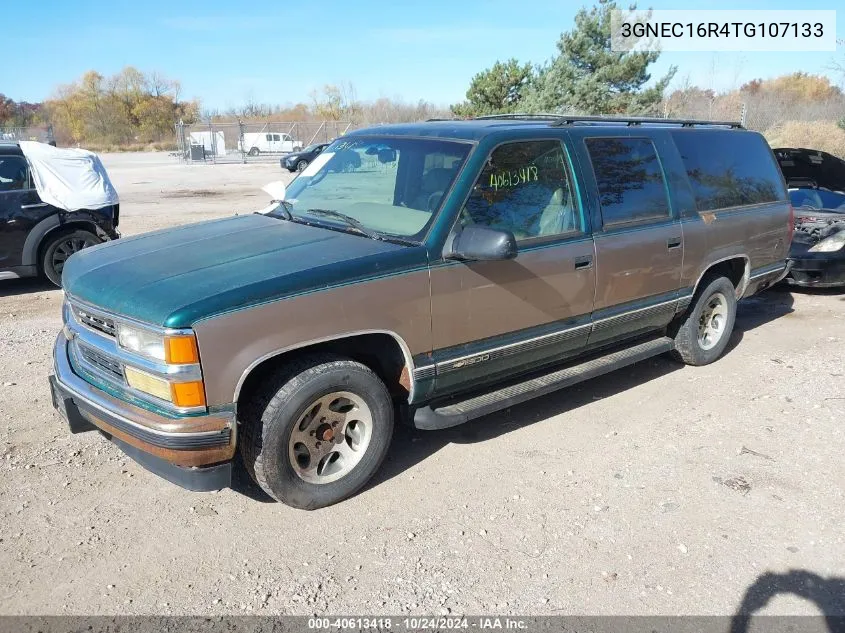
704, 332
317, 431
58, 248
253, 151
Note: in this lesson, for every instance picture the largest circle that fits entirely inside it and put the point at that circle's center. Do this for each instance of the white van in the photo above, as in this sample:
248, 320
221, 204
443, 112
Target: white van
255, 143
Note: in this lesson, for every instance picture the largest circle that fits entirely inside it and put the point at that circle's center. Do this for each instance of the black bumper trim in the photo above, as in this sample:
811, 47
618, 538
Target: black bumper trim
195, 479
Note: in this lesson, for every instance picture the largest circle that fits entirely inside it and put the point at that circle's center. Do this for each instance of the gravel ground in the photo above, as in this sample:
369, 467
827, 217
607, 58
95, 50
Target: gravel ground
658, 489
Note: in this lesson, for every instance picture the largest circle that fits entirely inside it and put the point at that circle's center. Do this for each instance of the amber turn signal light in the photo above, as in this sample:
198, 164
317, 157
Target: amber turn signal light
188, 394
181, 350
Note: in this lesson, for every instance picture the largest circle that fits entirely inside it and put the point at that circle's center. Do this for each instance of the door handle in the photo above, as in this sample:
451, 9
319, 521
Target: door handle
673, 242
33, 206
582, 263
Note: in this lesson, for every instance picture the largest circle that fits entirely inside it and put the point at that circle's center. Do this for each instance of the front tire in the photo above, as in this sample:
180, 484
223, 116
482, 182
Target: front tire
58, 248
705, 330
301, 165
317, 431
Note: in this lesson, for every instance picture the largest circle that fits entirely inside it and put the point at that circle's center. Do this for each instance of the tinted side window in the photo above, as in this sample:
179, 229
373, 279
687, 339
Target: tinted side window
525, 188
14, 173
728, 168
630, 180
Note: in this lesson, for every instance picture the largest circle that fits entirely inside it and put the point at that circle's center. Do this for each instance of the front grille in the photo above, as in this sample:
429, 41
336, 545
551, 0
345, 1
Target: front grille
101, 362
94, 321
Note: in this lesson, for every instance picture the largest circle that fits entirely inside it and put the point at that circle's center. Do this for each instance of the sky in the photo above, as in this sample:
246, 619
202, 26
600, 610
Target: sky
226, 53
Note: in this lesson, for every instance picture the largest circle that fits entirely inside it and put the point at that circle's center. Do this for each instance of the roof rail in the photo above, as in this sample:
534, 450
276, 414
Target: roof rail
631, 121
519, 116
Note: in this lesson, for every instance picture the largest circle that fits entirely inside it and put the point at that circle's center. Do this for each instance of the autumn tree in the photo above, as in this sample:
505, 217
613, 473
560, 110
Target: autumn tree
498, 89
19, 113
335, 102
129, 107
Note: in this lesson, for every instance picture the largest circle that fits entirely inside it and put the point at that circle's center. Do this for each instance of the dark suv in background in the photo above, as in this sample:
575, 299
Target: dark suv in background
35, 237
298, 161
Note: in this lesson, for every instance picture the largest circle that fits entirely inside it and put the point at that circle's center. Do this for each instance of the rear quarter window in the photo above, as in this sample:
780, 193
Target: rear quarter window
729, 168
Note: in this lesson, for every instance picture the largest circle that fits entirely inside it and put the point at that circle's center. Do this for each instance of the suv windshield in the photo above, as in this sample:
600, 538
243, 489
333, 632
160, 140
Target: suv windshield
390, 186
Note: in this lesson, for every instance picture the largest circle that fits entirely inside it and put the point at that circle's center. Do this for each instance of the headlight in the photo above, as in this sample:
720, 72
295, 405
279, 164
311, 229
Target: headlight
830, 244
141, 341
176, 350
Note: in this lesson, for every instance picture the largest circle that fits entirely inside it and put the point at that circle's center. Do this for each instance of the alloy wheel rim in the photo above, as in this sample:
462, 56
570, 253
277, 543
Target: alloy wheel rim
713, 321
330, 438
65, 249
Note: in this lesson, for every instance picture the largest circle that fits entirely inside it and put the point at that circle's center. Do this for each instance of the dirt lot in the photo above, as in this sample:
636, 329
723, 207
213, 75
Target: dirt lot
655, 490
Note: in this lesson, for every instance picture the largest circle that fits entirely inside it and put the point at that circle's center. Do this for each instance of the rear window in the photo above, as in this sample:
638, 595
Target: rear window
729, 169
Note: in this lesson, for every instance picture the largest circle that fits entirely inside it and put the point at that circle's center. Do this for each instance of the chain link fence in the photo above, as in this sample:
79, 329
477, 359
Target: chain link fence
248, 142
44, 134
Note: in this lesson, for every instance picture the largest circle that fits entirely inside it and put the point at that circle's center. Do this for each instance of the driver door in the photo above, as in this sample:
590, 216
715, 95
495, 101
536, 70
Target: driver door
496, 319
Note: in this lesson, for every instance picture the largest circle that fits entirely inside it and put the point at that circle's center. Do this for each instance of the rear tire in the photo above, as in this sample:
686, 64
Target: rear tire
316, 431
58, 248
253, 151
705, 330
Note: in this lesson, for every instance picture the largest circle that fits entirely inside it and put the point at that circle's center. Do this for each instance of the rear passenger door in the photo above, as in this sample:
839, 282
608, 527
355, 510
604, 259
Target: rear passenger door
496, 319
638, 239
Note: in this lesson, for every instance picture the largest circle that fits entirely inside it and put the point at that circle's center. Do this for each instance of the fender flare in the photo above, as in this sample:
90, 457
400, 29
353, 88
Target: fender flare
35, 238
406, 353
743, 283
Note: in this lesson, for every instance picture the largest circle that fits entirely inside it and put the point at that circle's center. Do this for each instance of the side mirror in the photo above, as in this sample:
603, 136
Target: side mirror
276, 190
481, 243
387, 155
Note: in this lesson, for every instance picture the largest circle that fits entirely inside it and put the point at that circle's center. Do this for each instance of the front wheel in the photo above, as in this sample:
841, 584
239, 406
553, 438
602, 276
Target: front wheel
301, 165
704, 332
59, 248
317, 431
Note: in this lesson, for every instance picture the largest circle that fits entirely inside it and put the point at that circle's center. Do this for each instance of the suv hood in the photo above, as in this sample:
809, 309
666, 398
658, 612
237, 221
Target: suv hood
175, 277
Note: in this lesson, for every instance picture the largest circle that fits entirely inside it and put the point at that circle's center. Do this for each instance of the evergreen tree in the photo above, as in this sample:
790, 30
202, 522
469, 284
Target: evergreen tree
588, 77
498, 89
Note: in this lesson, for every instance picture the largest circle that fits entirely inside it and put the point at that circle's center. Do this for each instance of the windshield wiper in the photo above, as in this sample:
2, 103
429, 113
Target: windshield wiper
285, 207
348, 219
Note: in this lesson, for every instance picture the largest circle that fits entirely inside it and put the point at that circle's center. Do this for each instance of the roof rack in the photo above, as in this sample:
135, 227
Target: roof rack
526, 116
562, 120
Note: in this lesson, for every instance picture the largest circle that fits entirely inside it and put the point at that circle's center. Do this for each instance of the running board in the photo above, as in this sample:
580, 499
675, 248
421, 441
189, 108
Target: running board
454, 413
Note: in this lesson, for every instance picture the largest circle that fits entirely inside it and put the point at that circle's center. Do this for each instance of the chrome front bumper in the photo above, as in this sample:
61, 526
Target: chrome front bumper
187, 444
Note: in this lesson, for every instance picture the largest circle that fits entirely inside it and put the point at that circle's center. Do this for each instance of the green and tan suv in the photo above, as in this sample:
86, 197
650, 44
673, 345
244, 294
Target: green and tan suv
458, 268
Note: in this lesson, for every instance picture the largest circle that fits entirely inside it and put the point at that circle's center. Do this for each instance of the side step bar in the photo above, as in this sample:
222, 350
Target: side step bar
454, 413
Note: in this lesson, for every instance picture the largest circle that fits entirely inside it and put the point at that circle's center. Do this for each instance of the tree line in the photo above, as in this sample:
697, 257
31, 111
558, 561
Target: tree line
128, 109
135, 109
